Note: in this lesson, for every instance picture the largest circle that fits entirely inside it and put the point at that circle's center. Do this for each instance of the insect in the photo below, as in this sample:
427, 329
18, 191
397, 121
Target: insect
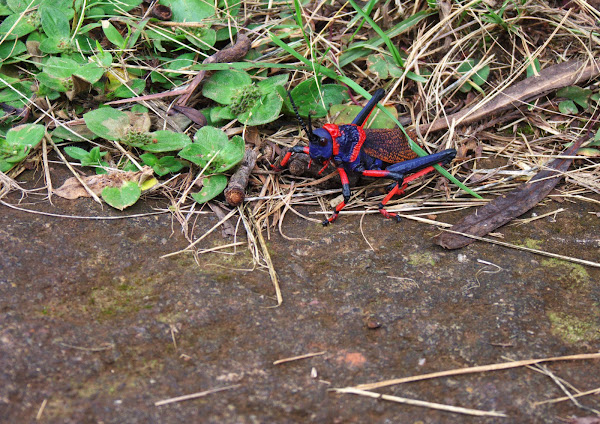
380, 153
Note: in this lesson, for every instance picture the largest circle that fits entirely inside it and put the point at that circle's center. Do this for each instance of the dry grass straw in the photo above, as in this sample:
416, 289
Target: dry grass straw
477, 369
421, 403
534, 364
195, 395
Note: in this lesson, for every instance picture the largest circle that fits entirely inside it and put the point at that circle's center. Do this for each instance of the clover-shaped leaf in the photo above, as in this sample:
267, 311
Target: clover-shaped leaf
108, 123
122, 197
212, 145
223, 86
309, 99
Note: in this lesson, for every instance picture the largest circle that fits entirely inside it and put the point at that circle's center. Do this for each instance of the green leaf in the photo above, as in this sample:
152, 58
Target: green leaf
19, 6
149, 159
23, 27
183, 61
266, 110
8, 81
112, 7
89, 72
26, 135
54, 22
308, 100
60, 67
577, 94
346, 113
10, 49
189, 10
219, 113
589, 152
131, 88
122, 197
164, 165
204, 39
53, 83
536, 66
78, 133
113, 35
568, 107
18, 144
211, 187
55, 45
378, 65
477, 79
76, 152
165, 141
212, 143
222, 86
268, 85
108, 123
91, 158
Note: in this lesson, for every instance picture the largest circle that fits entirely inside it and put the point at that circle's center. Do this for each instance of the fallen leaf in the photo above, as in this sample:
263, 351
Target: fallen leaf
72, 188
504, 208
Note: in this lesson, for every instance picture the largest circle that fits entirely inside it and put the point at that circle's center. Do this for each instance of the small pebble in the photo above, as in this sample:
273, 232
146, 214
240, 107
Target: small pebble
373, 324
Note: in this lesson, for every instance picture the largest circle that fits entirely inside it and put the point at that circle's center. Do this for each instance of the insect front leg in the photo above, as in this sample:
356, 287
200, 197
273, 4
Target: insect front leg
345, 192
285, 159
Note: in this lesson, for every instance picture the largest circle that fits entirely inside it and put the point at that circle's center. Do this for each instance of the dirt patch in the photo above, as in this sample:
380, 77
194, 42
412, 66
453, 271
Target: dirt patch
97, 328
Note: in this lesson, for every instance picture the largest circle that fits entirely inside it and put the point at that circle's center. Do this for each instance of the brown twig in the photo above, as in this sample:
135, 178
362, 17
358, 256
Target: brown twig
231, 54
236, 190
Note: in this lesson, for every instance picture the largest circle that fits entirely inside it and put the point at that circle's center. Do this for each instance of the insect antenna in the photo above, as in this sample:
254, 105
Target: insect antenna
309, 131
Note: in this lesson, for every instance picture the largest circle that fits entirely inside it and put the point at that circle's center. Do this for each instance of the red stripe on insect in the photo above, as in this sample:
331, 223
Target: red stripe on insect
334, 132
361, 139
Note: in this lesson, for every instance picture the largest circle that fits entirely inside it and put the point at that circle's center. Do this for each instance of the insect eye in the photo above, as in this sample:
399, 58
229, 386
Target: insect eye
322, 141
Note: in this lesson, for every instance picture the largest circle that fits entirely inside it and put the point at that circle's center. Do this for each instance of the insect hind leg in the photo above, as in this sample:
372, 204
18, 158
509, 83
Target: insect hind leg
416, 167
413, 165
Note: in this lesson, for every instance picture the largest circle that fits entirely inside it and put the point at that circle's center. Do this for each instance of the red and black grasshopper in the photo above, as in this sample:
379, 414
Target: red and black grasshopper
382, 153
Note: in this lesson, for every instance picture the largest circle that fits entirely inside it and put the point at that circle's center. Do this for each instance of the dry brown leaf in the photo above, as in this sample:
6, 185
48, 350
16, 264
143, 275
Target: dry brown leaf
72, 188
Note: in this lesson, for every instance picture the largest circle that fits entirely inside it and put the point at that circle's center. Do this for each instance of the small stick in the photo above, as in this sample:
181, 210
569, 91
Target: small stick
296, 358
235, 191
47, 168
41, 410
194, 395
415, 402
230, 54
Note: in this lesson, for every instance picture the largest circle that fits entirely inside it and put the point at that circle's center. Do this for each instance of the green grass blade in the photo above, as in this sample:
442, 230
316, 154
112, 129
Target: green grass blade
393, 50
350, 54
368, 9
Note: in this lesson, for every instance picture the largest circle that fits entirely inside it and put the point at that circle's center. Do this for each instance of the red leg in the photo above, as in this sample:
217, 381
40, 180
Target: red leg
345, 192
399, 188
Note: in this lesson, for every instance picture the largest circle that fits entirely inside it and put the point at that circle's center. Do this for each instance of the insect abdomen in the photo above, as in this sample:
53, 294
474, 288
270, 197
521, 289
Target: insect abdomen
389, 145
